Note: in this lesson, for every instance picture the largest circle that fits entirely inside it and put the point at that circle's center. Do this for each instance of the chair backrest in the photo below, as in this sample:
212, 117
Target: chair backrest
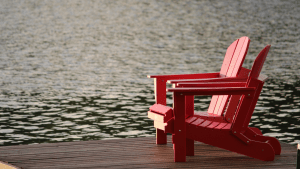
232, 64
247, 106
234, 57
258, 63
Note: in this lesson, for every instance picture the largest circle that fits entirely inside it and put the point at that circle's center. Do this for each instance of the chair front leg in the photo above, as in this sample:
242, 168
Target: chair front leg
179, 136
189, 111
160, 98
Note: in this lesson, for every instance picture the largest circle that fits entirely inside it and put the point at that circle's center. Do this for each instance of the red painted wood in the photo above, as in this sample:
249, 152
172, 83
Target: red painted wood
252, 134
219, 79
189, 102
160, 91
213, 84
219, 109
213, 125
259, 86
236, 62
160, 113
190, 119
201, 114
213, 104
244, 72
237, 68
206, 123
258, 63
227, 127
219, 119
179, 136
255, 130
160, 98
190, 147
197, 122
186, 76
228, 57
248, 103
221, 125
214, 90
231, 109
224, 139
233, 70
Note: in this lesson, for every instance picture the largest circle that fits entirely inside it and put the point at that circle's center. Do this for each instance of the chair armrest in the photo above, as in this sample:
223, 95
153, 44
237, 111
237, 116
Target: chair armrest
186, 76
215, 84
220, 79
160, 83
214, 91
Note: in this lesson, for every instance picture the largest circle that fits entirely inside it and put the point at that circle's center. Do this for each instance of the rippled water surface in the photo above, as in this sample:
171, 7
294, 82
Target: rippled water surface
76, 70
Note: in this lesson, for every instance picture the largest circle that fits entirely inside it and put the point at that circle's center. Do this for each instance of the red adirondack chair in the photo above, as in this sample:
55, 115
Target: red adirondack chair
231, 70
234, 136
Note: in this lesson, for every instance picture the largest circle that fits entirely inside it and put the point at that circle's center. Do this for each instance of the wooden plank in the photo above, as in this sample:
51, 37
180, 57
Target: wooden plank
239, 49
160, 98
134, 153
241, 57
213, 104
185, 76
228, 58
214, 91
224, 102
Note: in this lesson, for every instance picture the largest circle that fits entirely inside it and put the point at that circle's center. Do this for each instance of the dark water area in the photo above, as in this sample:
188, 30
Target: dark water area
76, 70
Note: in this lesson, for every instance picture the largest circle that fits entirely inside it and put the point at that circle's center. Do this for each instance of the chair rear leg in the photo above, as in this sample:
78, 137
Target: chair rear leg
189, 111
179, 136
271, 140
189, 147
256, 130
179, 146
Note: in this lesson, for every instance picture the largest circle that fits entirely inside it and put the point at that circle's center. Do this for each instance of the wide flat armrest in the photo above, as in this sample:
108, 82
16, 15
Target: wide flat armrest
187, 76
220, 79
212, 84
214, 91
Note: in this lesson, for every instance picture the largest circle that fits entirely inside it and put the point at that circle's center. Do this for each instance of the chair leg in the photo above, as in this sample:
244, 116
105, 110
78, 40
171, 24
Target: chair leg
252, 134
161, 137
256, 130
179, 146
179, 136
189, 147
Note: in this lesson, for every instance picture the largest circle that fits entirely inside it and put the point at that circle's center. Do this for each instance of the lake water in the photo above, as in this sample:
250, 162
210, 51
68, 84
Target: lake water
77, 70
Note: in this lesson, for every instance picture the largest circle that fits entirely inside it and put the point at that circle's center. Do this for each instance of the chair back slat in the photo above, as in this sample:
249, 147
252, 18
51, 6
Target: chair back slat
232, 65
228, 57
259, 62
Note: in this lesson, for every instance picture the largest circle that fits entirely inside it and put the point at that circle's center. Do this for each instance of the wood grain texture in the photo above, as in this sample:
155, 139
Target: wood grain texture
133, 153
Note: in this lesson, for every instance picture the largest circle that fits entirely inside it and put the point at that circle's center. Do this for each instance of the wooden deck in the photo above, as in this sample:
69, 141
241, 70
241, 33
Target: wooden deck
133, 153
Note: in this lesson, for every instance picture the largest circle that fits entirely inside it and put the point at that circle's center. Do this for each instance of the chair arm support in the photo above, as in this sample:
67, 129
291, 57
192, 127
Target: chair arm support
249, 91
214, 84
186, 76
220, 79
